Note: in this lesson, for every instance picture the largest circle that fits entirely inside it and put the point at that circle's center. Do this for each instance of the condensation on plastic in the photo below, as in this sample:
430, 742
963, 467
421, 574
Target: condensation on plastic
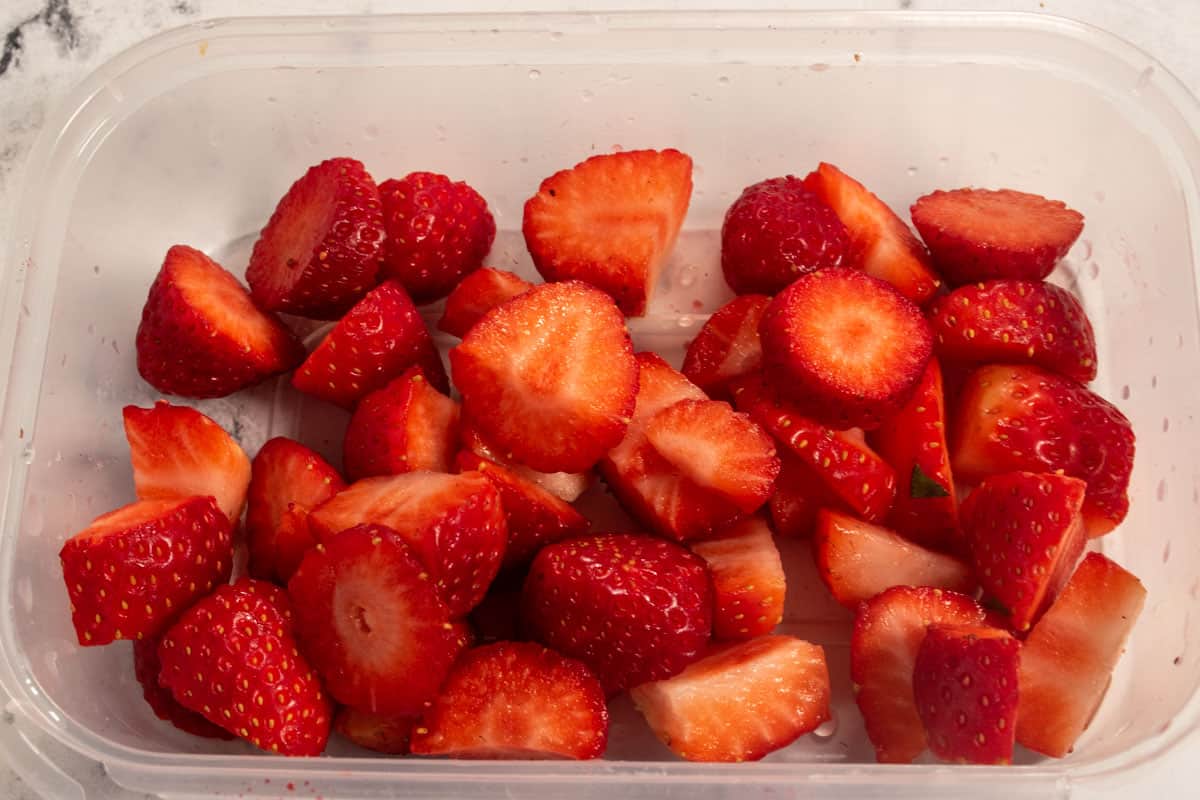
193, 135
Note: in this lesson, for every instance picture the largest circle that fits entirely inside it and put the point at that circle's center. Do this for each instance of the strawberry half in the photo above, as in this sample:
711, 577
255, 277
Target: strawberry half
202, 336
741, 702
132, 570
1015, 322
477, 294
377, 340
178, 452
610, 221
566, 486
515, 700
799, 494
980, 234
748, 580
1068, 658
549, 376
632, 608
146, 668
319, 253
845, 347
728, 346
965, 685
378, 732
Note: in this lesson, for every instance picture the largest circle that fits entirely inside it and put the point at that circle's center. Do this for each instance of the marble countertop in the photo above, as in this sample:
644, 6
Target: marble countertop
47, 46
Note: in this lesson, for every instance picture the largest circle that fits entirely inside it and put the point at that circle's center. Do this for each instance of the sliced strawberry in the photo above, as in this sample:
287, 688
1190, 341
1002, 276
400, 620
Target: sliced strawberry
1021, 418
728, 346
132, 570
880, 243
858, 560
1068, 658
645, 620
659, 385
407, 425
980, 234
477, 294
748, 580
741, 702
965, 686
799, 494
200, 334
146, 668
566, 486
377, 340
888, 631
378, 732
320, 251
1015, 322
549, 376
610, 221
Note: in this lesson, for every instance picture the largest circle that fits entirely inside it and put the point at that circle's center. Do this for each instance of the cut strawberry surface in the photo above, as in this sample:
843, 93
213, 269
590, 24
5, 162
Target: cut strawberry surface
567, 486
799, 494
728, 346
477, 294
748, 580
378, 732
146, 668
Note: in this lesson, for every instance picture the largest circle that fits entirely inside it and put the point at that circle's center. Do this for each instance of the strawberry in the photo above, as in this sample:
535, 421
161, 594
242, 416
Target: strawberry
232, 657
534, 517
979, 234
632, 608
776, 231
888, 630
566, 486
132, 570
178, 452
200, 334
287, 480
406, 426
1015, 322
378, 732
748, 580
799, 494
320, 251
610, 221
965, 687
549, 376
146, 668
1022, 418
515, 700
880, 243
377, 340
728, 346
741, 701
438, 230
1068, 658
370, 618
858, 560
454, 523
477, 294
845, 347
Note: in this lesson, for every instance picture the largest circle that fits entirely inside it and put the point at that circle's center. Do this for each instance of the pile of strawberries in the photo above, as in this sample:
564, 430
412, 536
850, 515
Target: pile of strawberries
919, 410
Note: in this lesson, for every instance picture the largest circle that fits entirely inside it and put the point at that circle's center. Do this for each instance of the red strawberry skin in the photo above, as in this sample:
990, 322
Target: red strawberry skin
632, 608
477, 294
748, 580
146, 667
132, 570
799, 495
319, 253
200, 334
438, 231
232, 657
727, 347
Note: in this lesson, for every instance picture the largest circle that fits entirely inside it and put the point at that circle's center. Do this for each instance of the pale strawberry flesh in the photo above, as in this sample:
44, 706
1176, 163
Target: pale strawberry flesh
728, 346
748, 580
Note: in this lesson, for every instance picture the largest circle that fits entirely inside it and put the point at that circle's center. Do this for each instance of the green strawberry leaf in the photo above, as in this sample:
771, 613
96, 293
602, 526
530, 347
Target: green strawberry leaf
922, 487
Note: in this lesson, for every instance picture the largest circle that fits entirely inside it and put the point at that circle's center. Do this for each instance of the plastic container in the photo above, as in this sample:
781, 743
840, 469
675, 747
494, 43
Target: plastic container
193, 135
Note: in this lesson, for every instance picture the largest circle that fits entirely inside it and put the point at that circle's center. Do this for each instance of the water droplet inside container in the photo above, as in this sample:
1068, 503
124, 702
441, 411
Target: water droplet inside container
723, 80
818, 67
27, 454
943, 160
556, 35
1143, 79
1166, 424
371, 132
1153, 381
911, 171
993, 158
534, 74
1125, 392
441, 133
687, 276
1094, 269
826, 729
685, 322
1085, 248
586, 95
1099, 195
1160, 493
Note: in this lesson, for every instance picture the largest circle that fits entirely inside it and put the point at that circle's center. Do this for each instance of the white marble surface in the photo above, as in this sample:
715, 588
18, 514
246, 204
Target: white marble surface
47, 46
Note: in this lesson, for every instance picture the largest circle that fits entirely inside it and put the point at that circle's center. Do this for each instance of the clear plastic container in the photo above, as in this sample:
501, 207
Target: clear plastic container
193, 135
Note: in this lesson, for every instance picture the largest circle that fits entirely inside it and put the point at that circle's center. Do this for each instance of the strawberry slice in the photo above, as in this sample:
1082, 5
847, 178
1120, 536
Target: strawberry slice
980, 234
1015, 322
1021, 418
146, 668
406, 426
799, 494
880, 243
748, 580
858, 560
728, 346
287, 480
477, 294
610, 221
566, 486
377, 340
515, 700
1068, 658
549, 376
645, 621
378, 732
320, 251
845, 347
202, 336
741, 702
965, 686
888, 631
177, 452
132, 570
